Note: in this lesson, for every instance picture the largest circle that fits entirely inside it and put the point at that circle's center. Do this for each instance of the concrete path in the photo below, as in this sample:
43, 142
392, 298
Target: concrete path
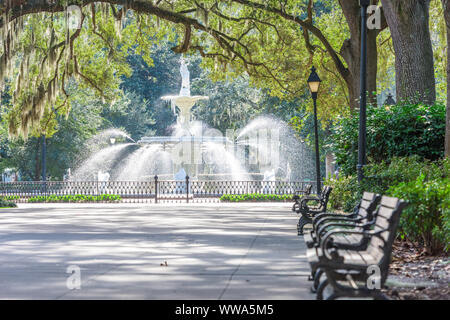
213, 251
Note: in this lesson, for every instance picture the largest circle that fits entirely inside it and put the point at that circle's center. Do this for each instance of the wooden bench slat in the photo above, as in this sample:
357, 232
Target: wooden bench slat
368, 196
389, 202
365, 204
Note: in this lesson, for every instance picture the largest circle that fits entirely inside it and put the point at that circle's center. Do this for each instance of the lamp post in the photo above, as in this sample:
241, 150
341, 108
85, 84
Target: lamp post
390, 100
363, 86
314, 84
44, 158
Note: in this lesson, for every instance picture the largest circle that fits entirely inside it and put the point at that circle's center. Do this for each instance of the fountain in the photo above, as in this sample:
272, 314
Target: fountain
184, 101
188, 140
266, 149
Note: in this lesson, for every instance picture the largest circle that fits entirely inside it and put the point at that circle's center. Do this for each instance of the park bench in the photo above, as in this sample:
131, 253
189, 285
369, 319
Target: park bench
349, 269
306, 191
310, 206
362, 216
298, 195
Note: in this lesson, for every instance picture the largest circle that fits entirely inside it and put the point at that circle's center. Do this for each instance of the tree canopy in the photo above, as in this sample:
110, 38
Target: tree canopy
274, 42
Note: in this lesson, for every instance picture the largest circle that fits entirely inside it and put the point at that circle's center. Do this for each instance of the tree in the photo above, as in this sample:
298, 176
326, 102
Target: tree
351, 50
446, 6
343, 54
274, 44
41, 55
408, 22
130, 113
153, 81
64, 147
231, 104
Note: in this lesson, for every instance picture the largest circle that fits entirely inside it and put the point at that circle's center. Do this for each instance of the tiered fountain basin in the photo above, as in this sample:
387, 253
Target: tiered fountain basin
189, 139
185, 100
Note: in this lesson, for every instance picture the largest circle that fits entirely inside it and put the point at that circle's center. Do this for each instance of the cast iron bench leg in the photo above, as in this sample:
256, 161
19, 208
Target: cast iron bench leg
316, 283
301, 223
320, 289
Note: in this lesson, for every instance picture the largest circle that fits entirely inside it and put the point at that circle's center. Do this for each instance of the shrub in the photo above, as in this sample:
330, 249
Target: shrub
10, 198
380, 177
427, 217
345, 193
255, 197
76, 198
383, 175
424, 184
402, 131
4, 203
446, 223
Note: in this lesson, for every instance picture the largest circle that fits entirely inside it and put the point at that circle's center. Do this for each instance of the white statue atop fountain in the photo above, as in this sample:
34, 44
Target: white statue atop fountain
185, 79
184, 101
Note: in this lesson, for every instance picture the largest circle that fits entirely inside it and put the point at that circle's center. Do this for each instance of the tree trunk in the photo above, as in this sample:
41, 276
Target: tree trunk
351, 52
414, 65
37, 167
446, 6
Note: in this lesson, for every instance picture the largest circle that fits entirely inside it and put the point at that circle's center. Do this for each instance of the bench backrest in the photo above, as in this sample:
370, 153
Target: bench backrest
387, 218
322, 192
308, 189
367, 206
325, 196
306, 192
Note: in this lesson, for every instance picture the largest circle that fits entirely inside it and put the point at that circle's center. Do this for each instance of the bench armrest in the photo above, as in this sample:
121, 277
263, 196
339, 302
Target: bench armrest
332, 215
310, 198
317, 224
324, 229
300, 202
296, 207
315, 208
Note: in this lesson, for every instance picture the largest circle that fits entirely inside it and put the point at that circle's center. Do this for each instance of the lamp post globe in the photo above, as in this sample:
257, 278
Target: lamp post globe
314, 82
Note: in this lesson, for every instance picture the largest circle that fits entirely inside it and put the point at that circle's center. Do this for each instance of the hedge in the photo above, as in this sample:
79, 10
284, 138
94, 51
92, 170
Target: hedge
5, 203
76, 198
256, 197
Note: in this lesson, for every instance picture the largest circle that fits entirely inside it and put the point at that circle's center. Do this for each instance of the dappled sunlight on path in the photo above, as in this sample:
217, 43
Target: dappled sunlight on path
213, 251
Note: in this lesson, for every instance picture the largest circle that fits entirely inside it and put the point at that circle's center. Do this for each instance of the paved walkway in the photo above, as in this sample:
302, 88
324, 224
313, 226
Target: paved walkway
213, 251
